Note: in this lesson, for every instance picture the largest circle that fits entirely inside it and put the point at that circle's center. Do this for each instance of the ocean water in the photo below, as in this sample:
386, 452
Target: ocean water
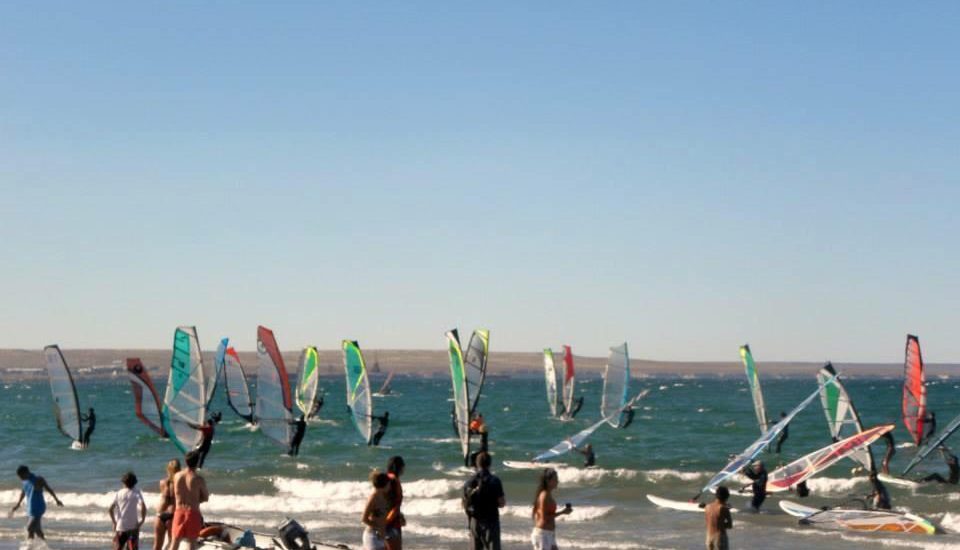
684, 432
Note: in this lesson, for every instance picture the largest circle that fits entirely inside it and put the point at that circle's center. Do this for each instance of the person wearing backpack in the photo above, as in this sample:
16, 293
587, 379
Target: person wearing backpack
482, 499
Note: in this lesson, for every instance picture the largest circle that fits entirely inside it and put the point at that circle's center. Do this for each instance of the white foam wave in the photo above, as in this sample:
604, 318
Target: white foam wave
829, 485
950, 521
656, 476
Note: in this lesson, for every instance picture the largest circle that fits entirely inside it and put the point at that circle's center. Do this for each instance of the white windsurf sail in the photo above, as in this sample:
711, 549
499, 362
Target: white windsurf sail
576, 440
65, 406
550, 373
842, 418
235, 384
616, 384
308, 380
475, 365
185, 403
274, 405
358, 389
757, 446
753, 379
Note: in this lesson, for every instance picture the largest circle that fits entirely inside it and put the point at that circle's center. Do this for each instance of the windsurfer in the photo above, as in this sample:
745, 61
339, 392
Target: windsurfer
891, 450
628, 413
190, 490
477, 425
206, 432
757, 473
317, 405
300, 428
383, 421
91, 419
576, 405
783, 434
590, 459
879, 498
951, 460
931, 421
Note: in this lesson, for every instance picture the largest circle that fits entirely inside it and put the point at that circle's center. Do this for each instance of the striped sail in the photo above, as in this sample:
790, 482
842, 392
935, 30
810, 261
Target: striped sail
754, 381
842, 418
274, 405
475, 365
308, 380
146, 400
185, 403
914, 391
66, 409
358, 389
616, 384
461, 399
550, 373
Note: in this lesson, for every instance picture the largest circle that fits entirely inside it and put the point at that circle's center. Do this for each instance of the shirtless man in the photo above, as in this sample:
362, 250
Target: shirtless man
718, 520
189, 490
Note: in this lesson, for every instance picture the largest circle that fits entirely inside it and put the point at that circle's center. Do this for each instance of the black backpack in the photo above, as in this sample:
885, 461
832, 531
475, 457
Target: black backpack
473, 491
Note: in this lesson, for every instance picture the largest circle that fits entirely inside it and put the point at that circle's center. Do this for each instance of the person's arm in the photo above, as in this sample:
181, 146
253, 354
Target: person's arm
143, 510
19, 501
43, 484
367, 518
726, 517
113, 518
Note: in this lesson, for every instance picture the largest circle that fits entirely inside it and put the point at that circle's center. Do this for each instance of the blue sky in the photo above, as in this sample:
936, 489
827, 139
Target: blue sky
684, 176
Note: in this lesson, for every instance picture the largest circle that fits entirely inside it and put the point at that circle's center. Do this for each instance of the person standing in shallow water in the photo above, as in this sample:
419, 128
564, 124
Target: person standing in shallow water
123, 513
719, 519
91, 419
590, 459
891, 450
395, 520
879, 498
33, 488
375, 513
189, 490
299, 429
758, 473
165, 506
482, 499
545, 512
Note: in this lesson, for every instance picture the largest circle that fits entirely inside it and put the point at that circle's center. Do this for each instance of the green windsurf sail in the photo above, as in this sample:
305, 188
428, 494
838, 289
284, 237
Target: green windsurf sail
461, 398
842, 418
358, 389
754, 381
308, 381
185, 402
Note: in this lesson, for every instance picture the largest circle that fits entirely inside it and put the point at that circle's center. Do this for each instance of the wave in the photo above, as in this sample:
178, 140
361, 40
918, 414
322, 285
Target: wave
656, 476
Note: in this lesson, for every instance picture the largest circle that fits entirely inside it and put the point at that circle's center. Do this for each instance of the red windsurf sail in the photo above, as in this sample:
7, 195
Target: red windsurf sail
146, 401
914, 390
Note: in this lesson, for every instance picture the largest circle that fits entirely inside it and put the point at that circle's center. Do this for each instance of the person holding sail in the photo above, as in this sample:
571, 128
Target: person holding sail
91, 419
382, 422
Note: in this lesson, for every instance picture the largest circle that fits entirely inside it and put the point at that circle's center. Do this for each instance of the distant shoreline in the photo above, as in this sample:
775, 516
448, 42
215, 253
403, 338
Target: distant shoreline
22, 364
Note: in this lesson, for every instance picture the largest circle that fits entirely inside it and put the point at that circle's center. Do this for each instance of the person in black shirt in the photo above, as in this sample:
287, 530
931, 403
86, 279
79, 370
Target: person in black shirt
300, 428
590, 459
382, 421
91, 419
758, 473
482, 499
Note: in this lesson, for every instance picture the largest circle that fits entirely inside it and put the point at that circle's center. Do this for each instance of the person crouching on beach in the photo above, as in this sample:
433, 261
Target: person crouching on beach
189, 490
123, 513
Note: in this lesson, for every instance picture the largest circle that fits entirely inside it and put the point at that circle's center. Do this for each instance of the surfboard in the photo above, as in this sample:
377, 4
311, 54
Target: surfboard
682, 505
521, 465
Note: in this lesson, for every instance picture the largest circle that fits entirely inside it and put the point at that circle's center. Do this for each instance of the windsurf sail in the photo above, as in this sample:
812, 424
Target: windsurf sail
807, 466
550, 373
146, 400
914, 391
616, 383
65, 406
842, 418
235, 384
358, 389
385, 389
185, 403
461, 399
757, 446
575, 441
754, 381
308, 380
569, 380
933, 444
274, 405
475, 365
212, 371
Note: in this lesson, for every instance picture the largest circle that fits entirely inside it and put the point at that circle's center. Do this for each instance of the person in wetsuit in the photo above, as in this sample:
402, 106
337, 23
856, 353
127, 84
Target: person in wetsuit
757, 473
590, 459
879, 498
891, 450
577, 404
300, 428
951, 460
317, 405
628, 414
206, 431
381, 428
91, 419
784, 434
931, 426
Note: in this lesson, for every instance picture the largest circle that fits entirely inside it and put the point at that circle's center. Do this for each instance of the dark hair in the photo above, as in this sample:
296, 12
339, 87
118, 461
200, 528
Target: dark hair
22, 470
192, 459
482, 460
129, 479
723, 493
542, 485
379, 479
395, 464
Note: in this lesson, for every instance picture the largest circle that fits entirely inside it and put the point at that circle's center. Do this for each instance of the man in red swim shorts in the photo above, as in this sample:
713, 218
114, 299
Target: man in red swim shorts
189, 490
